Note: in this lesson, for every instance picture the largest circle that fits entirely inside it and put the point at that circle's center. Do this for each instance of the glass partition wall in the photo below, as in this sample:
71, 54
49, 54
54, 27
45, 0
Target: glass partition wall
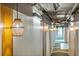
31, 43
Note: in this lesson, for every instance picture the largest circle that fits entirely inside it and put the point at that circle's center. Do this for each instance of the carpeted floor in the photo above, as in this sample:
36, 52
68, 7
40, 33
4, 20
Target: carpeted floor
59, 54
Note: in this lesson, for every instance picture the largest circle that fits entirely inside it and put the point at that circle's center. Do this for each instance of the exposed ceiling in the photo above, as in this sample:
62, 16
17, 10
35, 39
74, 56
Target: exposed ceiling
57, 12
25, 8
62, 6
60, 12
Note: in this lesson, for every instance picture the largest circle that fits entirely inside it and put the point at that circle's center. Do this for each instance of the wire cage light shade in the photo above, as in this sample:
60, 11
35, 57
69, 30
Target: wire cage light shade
18, 27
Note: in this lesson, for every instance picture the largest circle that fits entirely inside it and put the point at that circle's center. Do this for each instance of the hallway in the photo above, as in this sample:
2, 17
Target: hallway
39, 29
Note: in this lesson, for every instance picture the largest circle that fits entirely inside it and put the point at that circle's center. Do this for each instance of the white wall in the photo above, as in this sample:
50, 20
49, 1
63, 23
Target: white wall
73, 41
77, 39
48, 52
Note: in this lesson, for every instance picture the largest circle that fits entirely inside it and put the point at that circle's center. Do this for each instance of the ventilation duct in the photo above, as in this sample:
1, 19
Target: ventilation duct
56, 5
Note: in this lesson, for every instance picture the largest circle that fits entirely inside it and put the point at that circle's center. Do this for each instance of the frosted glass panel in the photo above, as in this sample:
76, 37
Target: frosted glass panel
30, 44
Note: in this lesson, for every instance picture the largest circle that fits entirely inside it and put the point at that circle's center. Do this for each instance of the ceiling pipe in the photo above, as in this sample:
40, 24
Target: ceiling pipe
45, 12
74, 8
72, 11
34, 4
56, 6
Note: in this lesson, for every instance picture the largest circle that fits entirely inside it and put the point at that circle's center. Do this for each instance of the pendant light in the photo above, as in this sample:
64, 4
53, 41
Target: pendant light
72, 27
53, 27
18, 26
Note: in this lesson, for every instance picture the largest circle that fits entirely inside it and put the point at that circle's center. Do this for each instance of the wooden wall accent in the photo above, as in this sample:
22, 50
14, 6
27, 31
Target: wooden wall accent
0, 33
7, 38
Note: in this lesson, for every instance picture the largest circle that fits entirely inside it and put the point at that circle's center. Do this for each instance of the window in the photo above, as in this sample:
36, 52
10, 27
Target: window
60, 35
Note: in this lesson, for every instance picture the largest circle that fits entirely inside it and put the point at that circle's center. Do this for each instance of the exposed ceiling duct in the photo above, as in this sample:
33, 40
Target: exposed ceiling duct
41, 13
56, 5
74, 8
45, 12
72, 12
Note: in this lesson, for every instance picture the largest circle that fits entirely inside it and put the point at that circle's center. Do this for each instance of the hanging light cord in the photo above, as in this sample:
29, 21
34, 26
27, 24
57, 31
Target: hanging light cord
17, 10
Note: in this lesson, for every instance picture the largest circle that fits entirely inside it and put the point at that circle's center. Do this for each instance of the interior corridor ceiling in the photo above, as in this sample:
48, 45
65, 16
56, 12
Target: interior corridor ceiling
58, 12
